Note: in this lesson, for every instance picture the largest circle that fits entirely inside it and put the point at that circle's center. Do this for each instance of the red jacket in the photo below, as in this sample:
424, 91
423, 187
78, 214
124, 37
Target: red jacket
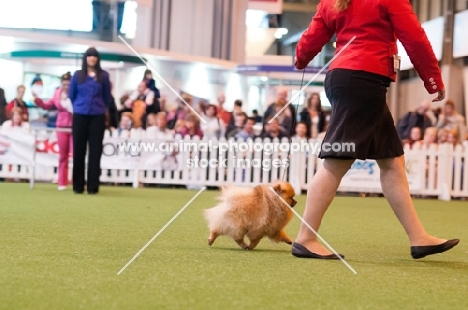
376, 24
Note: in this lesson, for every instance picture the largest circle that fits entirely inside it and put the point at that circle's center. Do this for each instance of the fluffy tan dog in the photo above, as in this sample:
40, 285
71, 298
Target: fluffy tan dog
253, 212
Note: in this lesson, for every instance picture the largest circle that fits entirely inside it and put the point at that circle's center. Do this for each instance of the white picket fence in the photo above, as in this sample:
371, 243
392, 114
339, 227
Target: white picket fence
438, 171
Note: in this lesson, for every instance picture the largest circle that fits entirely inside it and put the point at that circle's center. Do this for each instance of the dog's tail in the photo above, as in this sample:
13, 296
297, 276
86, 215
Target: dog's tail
215, 217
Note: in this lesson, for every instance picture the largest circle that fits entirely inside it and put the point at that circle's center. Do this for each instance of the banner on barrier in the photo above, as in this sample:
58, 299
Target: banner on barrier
16, 148
365, 175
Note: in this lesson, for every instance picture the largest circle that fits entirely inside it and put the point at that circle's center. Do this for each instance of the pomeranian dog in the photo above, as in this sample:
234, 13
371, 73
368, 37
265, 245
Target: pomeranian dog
255, 212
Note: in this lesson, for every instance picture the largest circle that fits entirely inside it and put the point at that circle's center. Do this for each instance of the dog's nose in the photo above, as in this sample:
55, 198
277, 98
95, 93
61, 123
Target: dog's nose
293, 203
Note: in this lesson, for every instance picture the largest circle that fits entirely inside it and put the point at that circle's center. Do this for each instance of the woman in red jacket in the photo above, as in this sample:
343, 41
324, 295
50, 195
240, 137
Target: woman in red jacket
62, 103
356, 86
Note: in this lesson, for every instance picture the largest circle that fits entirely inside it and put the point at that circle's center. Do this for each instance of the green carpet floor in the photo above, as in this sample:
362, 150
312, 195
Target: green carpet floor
63, 251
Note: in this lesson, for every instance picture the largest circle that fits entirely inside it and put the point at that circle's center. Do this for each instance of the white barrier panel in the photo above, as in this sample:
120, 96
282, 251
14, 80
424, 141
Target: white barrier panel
436, 171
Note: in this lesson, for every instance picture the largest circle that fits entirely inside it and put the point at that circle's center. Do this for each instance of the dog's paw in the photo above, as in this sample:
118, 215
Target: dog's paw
288, 241
210, 242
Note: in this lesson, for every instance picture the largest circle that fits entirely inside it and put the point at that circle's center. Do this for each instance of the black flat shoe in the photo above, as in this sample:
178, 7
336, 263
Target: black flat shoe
423, 251
77, 192
92, 192
302, 252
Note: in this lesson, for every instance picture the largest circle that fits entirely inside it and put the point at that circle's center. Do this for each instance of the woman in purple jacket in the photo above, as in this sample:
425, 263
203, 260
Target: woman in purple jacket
90, 96
62, 103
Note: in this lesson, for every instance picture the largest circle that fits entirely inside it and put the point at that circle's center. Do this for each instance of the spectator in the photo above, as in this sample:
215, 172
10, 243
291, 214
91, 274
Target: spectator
419, 118
3, 103
90, 95
452, 137
18, 102
237, 110
247, 131
16, 123
151, 83
125, 125
273, 130
415, 136
140, 103
159, 131
239, 122
442, 136
256, 116
151, 120
179, 126
301, 131
286, 116
223, 115
112, 117
214, 127
62, 103
451, 119
180, 112
313, 116
430, 137
192, 127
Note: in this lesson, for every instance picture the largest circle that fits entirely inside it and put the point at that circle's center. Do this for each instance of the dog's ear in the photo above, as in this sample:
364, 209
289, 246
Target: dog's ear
277, 188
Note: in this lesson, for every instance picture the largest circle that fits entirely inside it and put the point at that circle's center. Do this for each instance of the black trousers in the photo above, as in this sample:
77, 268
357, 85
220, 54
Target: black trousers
87, 130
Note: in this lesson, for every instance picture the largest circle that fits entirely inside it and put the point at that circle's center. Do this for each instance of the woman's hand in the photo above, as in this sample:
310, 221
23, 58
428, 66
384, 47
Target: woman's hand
440, 95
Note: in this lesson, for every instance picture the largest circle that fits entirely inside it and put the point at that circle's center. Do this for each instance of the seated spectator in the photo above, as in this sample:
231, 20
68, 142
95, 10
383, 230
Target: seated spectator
151, 120
214, 127
139, 103
451, 119
159, 130
3, 104
420, 118
300, 131
179, 125
247, 132
430, 137
180, 112
452, 137
192, 127
415, 136
286, 116
125, 125
239, 122
18, 102
17, 122
442, 136
256, 116
237, 109
273, 130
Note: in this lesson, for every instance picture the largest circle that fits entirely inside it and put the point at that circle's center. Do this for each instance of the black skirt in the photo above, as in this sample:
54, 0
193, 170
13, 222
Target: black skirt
361, 125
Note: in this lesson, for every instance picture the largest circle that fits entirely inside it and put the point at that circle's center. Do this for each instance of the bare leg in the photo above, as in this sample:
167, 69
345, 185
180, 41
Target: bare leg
321, 192
396, 189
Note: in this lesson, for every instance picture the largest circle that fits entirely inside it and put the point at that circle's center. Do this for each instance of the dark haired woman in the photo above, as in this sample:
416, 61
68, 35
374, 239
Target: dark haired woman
313, 116
356, 85
151, 84
62, 103
90, 95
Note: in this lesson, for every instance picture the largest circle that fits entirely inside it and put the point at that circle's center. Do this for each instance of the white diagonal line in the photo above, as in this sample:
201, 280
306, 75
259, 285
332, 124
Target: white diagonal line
316, 233
312, 79
160, 231
161, 78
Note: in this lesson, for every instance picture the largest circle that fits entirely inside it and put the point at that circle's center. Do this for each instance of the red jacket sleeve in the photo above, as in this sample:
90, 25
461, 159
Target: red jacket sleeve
409, 31
313, 39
